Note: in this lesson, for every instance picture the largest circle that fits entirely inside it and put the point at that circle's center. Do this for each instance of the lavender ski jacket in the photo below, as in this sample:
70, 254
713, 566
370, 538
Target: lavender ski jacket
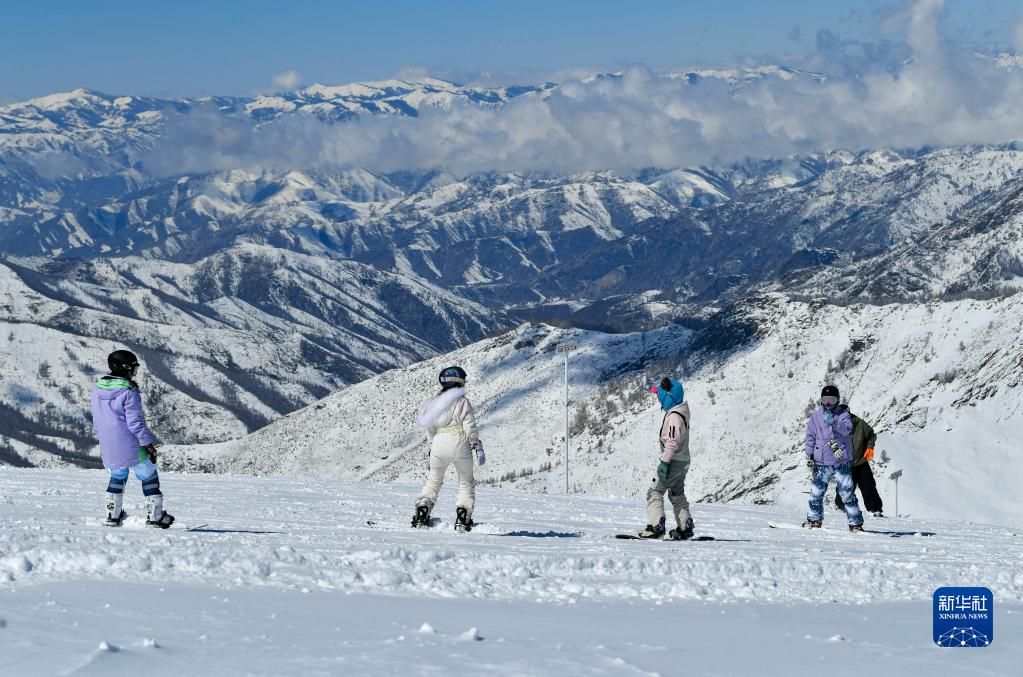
119, 422
819, 432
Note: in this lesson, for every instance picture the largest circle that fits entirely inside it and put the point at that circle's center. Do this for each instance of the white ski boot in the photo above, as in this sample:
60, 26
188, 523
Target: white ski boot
156, 516
115, 514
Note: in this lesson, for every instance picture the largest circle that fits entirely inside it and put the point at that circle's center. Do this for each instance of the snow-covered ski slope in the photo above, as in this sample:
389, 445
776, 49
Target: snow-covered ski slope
939, 381
288, 578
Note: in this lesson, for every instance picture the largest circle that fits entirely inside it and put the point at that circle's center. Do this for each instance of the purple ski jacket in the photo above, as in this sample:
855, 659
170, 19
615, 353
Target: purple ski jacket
119, 422
819, 432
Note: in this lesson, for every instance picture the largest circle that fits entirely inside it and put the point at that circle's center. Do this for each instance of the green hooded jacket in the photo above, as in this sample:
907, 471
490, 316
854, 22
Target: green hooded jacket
863, 437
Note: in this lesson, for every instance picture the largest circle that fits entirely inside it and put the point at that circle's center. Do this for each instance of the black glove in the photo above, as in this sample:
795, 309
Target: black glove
811, 464
151, 450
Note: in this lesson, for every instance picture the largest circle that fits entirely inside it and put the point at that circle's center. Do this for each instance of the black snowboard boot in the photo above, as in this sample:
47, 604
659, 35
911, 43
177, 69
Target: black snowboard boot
115, 521
462, 520
813, 524
422, 516
115, 515
156, 516
856, 527
653, 530
682, 533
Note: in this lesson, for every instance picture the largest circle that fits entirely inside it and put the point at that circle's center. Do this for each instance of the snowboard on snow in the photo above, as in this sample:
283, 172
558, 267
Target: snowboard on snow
176, 526
636, 537
881, 532
435, 521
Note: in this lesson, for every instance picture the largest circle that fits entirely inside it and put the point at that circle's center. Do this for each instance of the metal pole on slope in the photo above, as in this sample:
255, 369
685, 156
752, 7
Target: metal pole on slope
895, 476
566, 348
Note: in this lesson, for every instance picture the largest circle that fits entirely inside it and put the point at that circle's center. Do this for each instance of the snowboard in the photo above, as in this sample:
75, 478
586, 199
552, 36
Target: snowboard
177, 526
634, 537
880, 532
434, 521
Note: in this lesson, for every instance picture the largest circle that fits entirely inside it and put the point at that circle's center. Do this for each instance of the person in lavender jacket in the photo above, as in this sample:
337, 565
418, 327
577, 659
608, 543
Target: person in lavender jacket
829, 453
125, 441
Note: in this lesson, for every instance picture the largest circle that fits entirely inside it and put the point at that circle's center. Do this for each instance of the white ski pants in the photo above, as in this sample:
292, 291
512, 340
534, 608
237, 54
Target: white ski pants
444, 453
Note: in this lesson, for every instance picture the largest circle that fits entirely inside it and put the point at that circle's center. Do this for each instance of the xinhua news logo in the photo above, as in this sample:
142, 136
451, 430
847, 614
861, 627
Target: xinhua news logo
964, 617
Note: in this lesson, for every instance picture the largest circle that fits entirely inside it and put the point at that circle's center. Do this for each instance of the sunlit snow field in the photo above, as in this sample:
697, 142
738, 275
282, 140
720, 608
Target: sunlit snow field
289, 578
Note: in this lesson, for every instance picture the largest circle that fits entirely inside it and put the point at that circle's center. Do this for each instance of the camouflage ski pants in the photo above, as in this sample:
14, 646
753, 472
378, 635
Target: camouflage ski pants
675, 486
846, 489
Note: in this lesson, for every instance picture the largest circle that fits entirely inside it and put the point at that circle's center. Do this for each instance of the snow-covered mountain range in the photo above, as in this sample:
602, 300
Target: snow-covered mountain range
942, 382
253, 293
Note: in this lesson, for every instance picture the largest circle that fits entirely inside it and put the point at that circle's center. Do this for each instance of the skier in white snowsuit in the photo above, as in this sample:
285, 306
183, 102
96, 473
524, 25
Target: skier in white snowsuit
451, 426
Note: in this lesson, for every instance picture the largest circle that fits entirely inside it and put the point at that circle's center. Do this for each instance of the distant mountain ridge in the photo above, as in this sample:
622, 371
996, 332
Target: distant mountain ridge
927, 376
257, 292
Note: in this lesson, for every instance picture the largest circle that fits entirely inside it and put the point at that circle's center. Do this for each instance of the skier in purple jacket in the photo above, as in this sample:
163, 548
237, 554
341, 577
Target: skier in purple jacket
125, 441
829, 453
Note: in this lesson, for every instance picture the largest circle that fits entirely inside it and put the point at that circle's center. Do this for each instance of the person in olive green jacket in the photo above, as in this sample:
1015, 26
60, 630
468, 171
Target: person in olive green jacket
863, 440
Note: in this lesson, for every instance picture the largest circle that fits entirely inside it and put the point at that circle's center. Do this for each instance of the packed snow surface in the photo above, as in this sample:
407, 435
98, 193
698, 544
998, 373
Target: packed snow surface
289, 577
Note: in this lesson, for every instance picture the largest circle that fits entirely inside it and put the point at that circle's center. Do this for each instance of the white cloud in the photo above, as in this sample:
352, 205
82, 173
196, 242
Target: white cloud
412, 73
936, 93
1017, 37
287, 80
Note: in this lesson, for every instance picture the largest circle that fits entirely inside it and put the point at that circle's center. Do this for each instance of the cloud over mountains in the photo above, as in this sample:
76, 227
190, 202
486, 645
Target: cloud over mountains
942, 94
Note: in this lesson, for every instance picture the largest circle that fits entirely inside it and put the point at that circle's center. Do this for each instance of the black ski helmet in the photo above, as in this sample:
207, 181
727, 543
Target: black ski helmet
122, 363
830, 390
452, 377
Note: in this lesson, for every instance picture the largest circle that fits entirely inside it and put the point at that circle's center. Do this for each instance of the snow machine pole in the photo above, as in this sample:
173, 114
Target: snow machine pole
895, 476
566, 348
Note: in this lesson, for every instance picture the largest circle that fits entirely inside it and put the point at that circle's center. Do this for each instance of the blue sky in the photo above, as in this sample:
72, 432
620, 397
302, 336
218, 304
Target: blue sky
187, 47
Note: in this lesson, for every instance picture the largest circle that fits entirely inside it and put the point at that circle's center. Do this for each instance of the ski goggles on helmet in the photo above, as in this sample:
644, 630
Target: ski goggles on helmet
829, 400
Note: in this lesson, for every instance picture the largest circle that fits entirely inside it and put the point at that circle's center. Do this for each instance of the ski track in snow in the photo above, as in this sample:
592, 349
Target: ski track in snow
300, 547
